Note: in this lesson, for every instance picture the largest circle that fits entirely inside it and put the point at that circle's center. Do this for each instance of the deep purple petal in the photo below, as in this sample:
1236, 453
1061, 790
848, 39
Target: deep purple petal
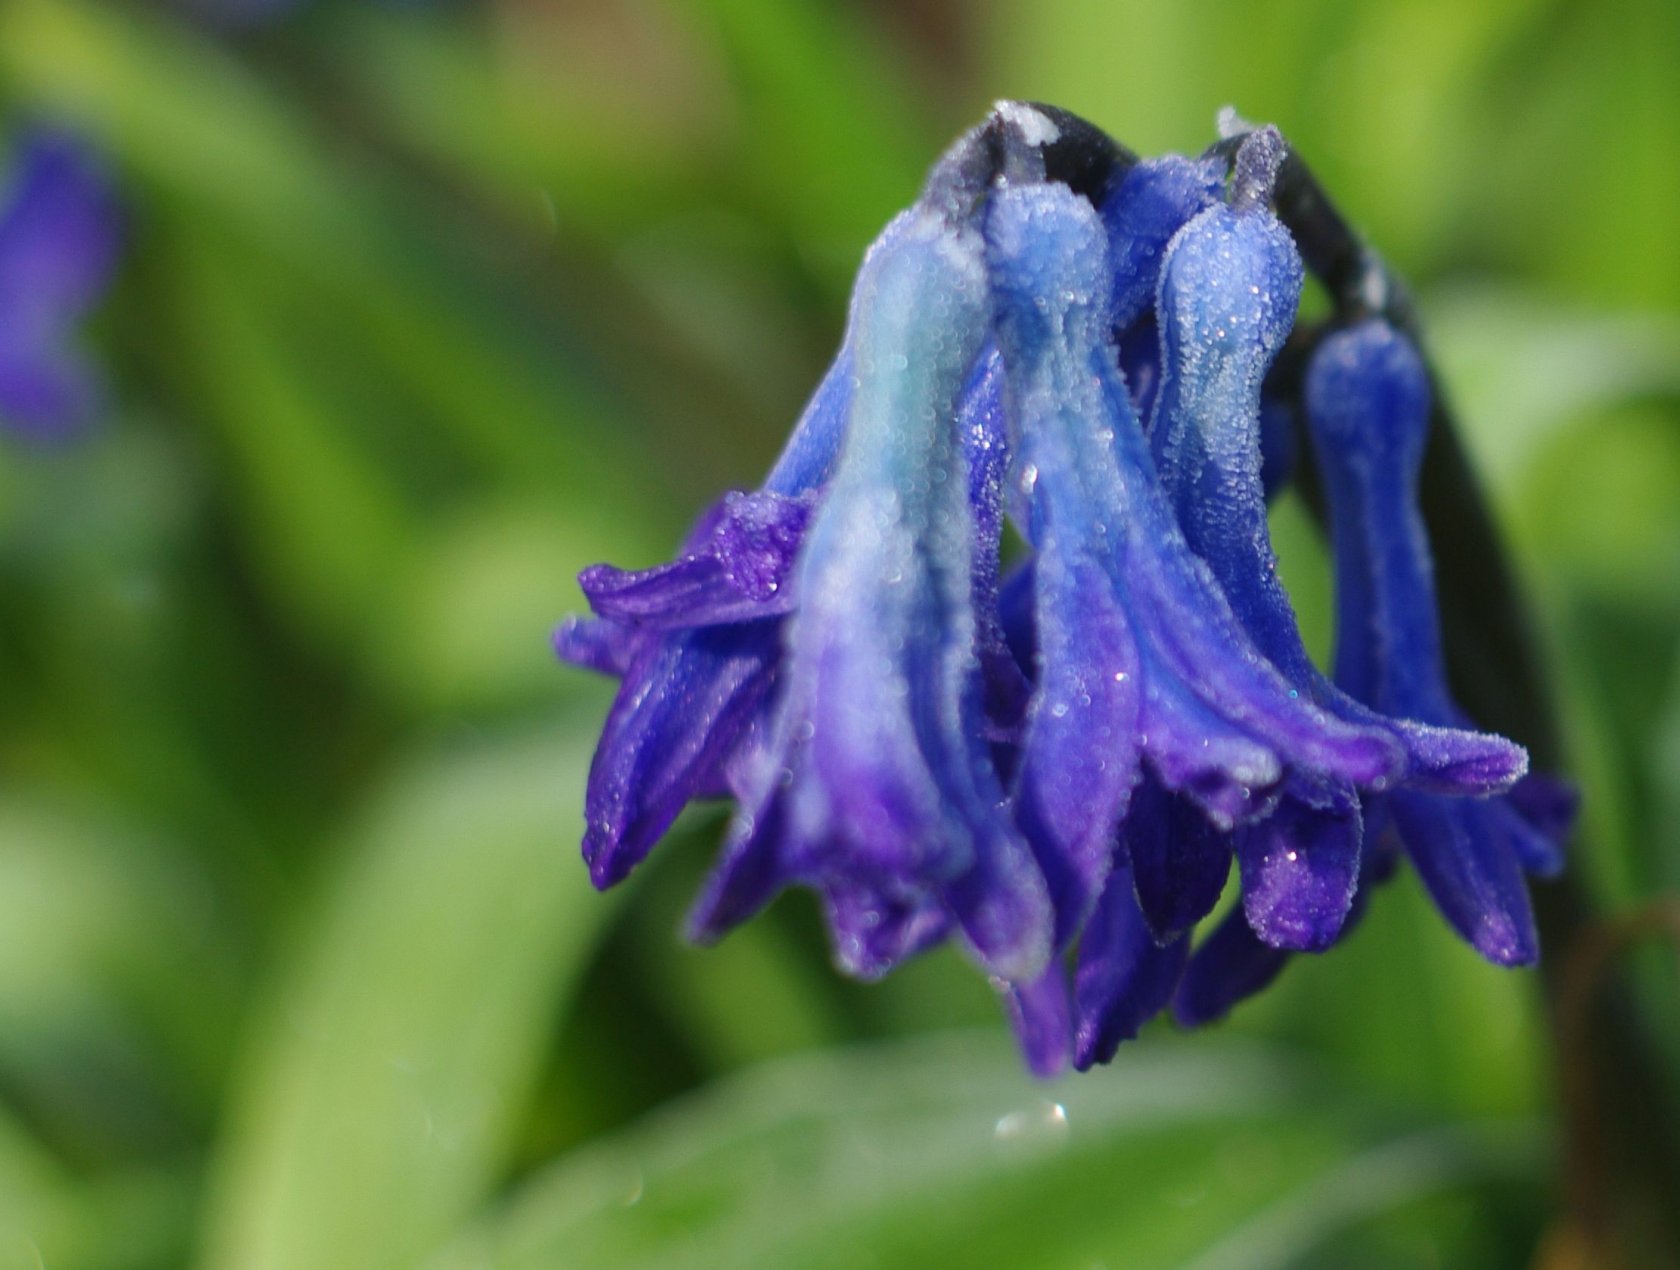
594, 644
752, 870
1001, 903
738, 569
875, 932
1548, 808
1472, 872
1140, 364
757, 540
808, 459
1300, 869
1080, 749
1278, 445
1179, 861
1538, 851
1041, 1013
1459, 762
1124, 978
688, 592
1229, 966
1195, 751
694, 697
1016, 598
684, 704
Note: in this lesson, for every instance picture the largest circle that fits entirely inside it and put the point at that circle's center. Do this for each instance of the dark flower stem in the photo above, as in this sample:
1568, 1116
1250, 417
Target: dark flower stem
1606, 1223
1620, 1148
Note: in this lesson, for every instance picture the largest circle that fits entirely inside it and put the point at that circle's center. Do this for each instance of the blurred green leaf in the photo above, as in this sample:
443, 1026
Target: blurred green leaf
386, 1078
258, 170
98, 927
942, 1151
1521, 370
134, 1220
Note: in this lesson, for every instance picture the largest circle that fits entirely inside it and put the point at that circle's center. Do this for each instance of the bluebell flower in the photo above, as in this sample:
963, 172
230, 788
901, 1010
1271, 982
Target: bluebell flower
878, 786
1368, 402
1229, 292
1139, 655
58, 250
1058, 769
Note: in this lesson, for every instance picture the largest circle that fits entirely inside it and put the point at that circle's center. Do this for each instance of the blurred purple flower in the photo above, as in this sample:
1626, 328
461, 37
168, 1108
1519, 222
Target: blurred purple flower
58, 250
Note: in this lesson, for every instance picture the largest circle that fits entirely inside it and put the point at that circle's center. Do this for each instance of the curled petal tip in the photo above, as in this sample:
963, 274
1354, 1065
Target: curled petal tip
1041, 1013
1255, 173
1300, 869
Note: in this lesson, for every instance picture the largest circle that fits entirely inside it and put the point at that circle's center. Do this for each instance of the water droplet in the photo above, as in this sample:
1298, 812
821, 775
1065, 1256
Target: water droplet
1044, 1124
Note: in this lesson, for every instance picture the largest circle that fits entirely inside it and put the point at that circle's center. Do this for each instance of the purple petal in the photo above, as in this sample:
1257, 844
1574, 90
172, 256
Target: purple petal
1229, 290
1300, 869
1094, 487
1016, 597
1150, 204
1537, 850
1548, 809
1229, 966
874, 932
694, 697
1368, 402
1002, 904
687, 592
1278, 445
985, 439
807, 461
1140, 364
684, 704
1179, 861
1080, 750
757, 540
881, 715
752, 870
739, 570
1472, 872
1192, 750
593, 644
1041, 1013
1124, 978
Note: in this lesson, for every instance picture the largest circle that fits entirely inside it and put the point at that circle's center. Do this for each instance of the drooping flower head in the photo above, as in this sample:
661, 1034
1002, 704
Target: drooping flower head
1057, 770
58, 249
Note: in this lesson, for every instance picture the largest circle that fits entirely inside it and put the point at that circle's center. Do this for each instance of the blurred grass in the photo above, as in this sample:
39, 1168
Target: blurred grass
424, 308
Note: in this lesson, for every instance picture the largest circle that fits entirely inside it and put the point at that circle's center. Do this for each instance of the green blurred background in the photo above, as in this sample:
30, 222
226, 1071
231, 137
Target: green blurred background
425, 307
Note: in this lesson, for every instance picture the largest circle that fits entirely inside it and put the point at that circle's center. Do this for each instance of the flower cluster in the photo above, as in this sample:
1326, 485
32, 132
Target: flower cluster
1056, 763
58, 249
